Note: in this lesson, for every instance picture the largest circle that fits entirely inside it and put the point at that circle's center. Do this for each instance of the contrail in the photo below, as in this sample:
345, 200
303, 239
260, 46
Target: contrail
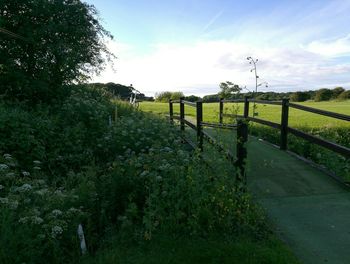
212, 20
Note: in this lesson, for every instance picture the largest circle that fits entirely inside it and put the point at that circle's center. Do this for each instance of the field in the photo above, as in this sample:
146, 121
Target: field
325, 127
297, 118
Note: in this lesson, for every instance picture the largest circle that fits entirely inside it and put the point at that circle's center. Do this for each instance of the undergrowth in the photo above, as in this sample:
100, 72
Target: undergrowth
112, 170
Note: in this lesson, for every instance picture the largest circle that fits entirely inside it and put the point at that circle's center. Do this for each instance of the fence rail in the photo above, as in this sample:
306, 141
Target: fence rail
320, 112
241, 127
285, 128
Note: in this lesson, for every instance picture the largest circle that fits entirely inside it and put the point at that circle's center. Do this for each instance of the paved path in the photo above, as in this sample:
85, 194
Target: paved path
310, 210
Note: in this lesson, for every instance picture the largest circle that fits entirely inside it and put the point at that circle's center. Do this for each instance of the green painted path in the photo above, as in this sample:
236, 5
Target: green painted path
310, 210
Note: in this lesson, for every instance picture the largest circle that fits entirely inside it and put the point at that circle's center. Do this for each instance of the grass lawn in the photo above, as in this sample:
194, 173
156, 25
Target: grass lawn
297, 118
167, 249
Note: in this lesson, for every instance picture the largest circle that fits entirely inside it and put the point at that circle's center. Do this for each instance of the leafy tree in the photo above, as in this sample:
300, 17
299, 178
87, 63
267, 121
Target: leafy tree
323, 95
211, 98
192, 98
166, 96
60, 42
300, 96
177, 95
337, 91
228, 88
163, 96
345, 95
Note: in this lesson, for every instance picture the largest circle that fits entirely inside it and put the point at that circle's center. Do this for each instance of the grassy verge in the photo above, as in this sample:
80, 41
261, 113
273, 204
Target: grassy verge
169, 249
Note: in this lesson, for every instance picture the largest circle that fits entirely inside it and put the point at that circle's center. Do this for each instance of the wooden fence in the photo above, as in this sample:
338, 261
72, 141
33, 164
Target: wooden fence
284, 128
239, 159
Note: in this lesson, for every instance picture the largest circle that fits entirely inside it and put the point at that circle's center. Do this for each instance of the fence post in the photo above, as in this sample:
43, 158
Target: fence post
182, 113
284, 123
246, 107
199, 108
242, 138
171, 111
221, 109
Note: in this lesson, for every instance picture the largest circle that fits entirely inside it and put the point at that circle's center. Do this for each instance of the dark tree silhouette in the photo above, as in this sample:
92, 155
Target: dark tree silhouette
60, 42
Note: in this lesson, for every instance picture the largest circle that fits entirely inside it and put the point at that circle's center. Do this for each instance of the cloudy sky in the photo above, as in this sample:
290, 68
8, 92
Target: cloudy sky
193, 45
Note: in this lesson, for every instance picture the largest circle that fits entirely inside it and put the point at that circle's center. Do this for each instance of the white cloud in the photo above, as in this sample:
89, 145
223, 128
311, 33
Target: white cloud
331, 48
200, 67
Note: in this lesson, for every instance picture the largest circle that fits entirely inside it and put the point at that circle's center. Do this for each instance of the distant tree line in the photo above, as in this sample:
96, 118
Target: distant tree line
119, 91
164, 97
324, 94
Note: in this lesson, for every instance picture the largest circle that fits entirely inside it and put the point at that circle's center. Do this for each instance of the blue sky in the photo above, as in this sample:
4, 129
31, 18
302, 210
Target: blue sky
193, 45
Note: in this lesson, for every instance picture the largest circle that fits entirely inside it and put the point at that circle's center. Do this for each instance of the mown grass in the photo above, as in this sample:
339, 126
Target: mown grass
331, 129
297, 118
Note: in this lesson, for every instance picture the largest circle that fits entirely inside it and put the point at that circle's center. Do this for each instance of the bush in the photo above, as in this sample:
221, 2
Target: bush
300, 96
345, 95
323, 95
337, 91
65, 165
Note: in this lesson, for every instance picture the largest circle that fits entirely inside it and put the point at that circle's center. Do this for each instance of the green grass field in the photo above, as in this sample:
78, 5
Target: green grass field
297, 118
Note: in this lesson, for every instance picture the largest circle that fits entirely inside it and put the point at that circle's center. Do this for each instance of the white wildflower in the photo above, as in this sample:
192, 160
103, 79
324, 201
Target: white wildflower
159, 178
74, 210
7, 156
55, 231
10, 175
24, 188
36, 168
144, 173
42, 192
37, 162
13, 204
37, 220
3, 167
23, 220
25, 173
4, 200
56, 213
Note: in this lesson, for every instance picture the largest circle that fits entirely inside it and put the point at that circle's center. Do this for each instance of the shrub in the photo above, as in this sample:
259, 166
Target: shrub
299, 96
345, 95
323, 95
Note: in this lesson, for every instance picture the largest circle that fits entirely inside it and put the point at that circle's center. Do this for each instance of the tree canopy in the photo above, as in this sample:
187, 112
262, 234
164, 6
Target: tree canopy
60, 42
228, 88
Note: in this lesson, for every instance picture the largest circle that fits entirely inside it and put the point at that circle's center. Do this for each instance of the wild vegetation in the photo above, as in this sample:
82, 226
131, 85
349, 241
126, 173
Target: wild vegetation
71, 154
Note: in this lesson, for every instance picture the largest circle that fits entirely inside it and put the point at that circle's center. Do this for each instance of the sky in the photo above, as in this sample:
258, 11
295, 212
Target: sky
192, 46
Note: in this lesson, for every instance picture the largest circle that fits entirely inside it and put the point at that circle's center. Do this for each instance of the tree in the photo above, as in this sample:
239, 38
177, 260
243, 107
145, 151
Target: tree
344, 96
163, 96
323, 95
228, 88
337, 91
192, 98
176, 95
61, 42
300, 96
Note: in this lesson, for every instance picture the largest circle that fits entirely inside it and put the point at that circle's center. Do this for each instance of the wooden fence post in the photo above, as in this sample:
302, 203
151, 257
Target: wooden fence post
242, 138
182, 113
246, 107
171, 111
284, 123
199, 114
221, 109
